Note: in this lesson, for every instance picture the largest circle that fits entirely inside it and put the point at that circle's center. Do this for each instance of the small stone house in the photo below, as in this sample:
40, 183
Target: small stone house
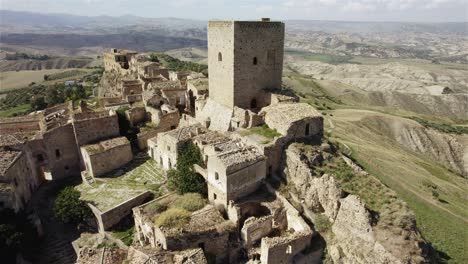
106, 156
233, 170
169, 143
294, 120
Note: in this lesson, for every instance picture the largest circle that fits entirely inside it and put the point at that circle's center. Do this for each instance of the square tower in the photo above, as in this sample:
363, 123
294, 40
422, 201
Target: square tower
244, 59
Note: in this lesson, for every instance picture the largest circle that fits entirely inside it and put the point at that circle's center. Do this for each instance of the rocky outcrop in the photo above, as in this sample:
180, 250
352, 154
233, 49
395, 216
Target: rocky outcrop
357, 237
354, 240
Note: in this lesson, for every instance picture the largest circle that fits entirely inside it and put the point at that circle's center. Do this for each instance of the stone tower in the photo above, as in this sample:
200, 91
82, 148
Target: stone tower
244, 58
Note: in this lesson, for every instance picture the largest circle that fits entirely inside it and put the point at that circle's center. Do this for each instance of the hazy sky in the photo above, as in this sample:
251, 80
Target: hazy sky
362, 10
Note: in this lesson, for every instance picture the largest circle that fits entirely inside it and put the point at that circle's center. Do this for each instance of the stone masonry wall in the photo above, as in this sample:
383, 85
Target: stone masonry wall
98, 164
258, 61
112, 216
92, 130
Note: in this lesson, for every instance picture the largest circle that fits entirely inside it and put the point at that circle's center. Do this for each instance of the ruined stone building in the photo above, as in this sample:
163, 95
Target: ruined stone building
245, 73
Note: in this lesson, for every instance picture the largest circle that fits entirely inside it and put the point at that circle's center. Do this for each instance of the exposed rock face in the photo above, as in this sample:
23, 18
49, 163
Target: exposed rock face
356, 237
354, 240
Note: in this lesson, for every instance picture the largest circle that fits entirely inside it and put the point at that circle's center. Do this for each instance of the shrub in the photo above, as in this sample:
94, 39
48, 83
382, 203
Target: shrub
69, 208
173, 218
155, 208
321, 223
184, 179
190, 202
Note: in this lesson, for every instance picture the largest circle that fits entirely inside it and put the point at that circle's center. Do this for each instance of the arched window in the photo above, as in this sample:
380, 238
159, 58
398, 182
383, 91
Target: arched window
253, 103
255, 61
220, 56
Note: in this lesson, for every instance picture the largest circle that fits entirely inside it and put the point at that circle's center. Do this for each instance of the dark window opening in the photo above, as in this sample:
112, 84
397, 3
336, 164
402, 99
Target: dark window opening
220, 56
57, 153
173, 127
214, 196
253, 103
67, 168
40, 158
307, 130
202, 246
216, 176
255, 61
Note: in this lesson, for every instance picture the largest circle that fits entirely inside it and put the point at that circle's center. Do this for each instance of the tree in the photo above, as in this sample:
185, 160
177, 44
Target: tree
38, 103
69, 208
184, 178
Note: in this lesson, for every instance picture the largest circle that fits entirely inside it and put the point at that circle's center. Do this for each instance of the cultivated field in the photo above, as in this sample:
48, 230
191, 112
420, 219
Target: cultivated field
12, 80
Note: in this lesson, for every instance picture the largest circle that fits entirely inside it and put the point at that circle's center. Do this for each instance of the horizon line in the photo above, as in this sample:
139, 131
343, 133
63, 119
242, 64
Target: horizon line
216, 19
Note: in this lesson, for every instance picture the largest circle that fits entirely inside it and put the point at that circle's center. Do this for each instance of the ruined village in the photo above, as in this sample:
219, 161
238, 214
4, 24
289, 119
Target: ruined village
253, 137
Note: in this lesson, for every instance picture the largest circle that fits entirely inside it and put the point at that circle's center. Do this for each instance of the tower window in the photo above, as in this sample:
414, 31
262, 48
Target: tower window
255, 61
220, 56
307, 129
216, 176
57, 153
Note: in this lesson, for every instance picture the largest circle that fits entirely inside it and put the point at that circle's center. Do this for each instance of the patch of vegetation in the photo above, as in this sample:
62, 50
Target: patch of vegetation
63, 75
126, 236
173, 218
190, 202
321, 223
17, 235
445, 128
178, 65
69, 208
184, 179
155, 208
39, 96
16, 111
264, 131
373, 193
25, 56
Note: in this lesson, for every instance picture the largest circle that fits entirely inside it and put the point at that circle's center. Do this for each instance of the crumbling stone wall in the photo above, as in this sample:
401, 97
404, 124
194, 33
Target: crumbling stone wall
22, 181
256, 228
62, 152
279, 250
101, 162
97, 126
112, 216
136, 115
19, 124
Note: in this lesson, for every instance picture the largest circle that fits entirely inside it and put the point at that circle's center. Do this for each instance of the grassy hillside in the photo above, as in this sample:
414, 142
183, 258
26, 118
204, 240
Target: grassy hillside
436, 195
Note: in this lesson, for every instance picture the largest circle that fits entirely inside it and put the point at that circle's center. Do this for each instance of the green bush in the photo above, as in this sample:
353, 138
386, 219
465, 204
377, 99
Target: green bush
321, 223
173, 218
69, 208
190, 202
184, 179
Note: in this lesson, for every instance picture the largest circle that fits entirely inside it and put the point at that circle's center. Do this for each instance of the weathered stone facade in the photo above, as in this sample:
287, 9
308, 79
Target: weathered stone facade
244, 59
96, 156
